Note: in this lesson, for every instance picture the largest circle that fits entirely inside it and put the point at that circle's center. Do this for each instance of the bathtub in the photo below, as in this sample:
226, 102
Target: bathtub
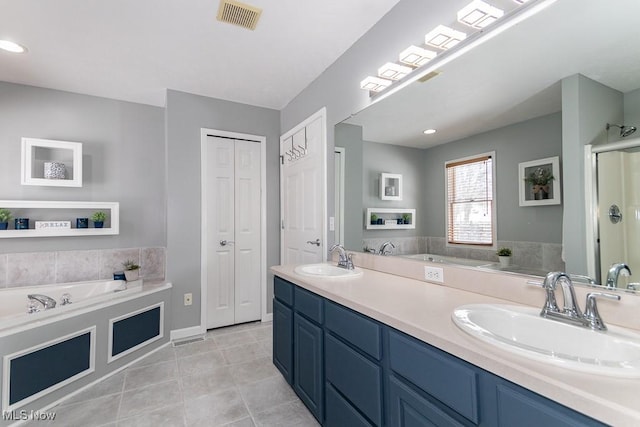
50, 354
448, 260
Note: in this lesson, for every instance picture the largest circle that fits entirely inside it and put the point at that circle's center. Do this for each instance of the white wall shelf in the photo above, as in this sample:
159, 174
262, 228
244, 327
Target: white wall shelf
36, 152
50, 210
390, 186
390, 218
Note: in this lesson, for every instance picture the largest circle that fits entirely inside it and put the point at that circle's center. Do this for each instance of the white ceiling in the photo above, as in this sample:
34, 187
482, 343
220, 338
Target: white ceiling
134, 49
515, 76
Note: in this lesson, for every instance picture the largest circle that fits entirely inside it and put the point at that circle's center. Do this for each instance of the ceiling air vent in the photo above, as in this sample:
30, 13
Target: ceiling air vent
237, 13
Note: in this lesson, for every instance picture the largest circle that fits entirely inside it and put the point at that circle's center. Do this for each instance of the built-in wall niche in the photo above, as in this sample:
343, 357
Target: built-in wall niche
390, 218
59, 218
51, 163
390, 186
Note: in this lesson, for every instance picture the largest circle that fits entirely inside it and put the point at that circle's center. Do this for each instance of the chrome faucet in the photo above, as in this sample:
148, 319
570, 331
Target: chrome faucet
47, 302
344, 260
383, 248
614, 273
571, 311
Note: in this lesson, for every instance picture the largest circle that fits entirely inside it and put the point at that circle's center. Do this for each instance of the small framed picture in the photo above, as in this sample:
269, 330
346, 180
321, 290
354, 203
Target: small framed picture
540, 182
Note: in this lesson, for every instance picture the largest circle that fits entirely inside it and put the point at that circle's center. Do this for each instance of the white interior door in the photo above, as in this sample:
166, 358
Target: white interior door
303, 192
233, 231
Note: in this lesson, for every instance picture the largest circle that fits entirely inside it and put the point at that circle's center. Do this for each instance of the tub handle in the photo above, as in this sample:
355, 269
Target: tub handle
65, 299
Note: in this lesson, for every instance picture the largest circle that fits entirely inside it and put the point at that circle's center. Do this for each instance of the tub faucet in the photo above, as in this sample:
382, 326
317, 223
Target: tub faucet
344, 260
47, 302
383, 248
614, 273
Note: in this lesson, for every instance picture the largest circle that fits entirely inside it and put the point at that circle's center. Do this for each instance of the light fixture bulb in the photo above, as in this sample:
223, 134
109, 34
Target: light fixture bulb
416, 56
393, 71
429, 131
479, 14
12, 47
375, 84
444, 37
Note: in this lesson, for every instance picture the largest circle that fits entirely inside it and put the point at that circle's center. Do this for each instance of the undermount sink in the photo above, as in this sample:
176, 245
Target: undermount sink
521, 330
330, 271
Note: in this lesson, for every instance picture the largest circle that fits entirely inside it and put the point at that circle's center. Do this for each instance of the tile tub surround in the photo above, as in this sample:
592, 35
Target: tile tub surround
392, 294
226, 380
530, 255
42, 268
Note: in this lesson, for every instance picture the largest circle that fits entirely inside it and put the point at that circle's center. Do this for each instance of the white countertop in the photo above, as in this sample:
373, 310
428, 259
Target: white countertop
423, 310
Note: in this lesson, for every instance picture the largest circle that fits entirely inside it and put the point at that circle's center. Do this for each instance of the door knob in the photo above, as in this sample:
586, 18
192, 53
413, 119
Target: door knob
311, 242
226, 242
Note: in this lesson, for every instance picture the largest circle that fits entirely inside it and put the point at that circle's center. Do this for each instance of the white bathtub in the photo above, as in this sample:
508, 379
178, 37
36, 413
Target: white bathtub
448, 260
106, 327
14, 301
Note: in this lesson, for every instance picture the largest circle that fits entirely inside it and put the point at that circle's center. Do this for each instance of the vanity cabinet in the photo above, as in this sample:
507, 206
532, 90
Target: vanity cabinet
351, 370
298, 344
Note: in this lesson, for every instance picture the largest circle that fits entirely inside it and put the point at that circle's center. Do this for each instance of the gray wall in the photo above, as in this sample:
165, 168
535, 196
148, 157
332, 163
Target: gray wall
632, 110
530, 140
186, 114
123, 159
408, 162
587, 106
350, 137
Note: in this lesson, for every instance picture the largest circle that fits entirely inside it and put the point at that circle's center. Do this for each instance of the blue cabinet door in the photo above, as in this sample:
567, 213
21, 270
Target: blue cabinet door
283, 339
308, 376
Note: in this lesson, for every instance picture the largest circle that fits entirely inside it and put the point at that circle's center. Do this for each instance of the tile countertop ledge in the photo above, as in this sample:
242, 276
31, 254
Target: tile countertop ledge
423, 310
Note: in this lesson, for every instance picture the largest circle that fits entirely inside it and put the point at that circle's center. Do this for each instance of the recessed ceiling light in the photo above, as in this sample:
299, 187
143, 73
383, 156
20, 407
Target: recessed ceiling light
375, 84
416, 56
479, 14
12, 47
429, 131
521, 1
393, 71
444, 37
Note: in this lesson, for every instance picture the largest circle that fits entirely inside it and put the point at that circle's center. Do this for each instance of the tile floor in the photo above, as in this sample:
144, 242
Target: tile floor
226, 380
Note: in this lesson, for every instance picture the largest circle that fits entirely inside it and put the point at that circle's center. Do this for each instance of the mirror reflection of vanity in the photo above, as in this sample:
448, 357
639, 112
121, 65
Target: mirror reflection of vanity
544, 88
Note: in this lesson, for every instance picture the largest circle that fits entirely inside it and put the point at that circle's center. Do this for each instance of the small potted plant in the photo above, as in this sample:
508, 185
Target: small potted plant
540, 179
504, 254
374, 219
98, 219
406, 218
131, 270
5, 217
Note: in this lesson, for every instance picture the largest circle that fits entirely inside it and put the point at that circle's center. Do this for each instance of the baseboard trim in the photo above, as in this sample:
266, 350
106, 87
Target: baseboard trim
179, 334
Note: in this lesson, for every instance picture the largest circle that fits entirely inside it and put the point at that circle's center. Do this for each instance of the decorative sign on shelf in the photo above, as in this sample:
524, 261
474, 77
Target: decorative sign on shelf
49, 225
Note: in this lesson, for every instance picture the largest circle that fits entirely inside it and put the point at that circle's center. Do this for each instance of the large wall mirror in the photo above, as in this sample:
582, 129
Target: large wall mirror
514, 95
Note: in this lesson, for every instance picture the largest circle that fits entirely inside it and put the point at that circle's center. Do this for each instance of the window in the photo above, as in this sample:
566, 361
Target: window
470, 210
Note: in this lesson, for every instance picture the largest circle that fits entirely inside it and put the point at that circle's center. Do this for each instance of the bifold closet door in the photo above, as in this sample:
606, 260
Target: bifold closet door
233, 231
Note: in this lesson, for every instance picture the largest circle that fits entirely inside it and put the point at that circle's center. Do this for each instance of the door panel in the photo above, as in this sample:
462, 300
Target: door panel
302, 194
233, 210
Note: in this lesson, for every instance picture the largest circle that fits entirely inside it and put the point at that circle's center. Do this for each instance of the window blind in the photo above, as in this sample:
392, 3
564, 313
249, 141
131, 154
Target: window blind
470, 201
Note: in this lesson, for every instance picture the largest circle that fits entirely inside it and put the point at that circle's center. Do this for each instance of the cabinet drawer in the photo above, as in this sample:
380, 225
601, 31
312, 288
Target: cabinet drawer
283, 290
520, 407
355, 377
308, 304
340, 413
356, 329
449, 380
408, 408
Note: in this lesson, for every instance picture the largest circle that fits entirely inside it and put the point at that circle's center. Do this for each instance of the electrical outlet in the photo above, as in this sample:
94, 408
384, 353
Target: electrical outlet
188, 299
434, 274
